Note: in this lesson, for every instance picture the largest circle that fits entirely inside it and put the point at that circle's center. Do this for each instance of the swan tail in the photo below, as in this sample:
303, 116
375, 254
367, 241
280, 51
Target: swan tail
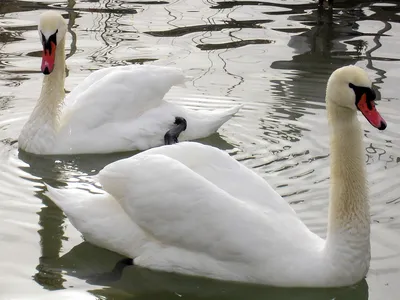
69, 201
99, 218
75, 203
201, 124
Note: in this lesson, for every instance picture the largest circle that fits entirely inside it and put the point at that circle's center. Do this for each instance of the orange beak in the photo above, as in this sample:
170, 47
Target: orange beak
48, 57
370, 113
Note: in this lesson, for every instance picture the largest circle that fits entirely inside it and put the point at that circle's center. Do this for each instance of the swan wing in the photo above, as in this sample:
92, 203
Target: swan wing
116, 94
91, 79
219, 168
183, 210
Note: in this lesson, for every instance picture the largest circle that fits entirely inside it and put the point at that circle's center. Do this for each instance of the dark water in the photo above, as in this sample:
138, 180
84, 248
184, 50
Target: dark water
273, 56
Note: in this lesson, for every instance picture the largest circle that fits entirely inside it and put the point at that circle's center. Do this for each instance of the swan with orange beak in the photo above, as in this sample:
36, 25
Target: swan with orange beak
114, 109
247, 231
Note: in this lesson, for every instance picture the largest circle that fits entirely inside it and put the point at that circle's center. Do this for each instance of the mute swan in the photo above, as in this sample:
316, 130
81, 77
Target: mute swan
114, 109
192, 209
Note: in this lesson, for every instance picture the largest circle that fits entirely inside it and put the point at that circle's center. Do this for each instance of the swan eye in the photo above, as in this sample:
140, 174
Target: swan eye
43, 38
52, 38
360, 91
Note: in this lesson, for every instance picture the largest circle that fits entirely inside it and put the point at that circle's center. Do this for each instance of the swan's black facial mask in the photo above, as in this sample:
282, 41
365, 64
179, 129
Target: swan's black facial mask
49, 53
365, 103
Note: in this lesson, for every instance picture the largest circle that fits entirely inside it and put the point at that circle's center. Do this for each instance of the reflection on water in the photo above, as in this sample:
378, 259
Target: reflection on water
274, 56
142, 282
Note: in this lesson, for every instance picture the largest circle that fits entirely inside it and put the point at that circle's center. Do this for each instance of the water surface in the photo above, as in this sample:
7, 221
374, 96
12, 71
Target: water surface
273, 56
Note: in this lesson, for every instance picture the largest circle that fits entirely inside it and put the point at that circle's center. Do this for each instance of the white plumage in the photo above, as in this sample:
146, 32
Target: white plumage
217, 231
192, 209
112, 110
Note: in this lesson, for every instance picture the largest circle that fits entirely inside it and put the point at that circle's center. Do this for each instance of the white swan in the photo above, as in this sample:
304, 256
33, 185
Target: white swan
192, 209
114, 109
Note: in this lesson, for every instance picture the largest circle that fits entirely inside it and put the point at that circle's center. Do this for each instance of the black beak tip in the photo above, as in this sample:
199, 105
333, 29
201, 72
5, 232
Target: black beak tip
383, 126
46, 71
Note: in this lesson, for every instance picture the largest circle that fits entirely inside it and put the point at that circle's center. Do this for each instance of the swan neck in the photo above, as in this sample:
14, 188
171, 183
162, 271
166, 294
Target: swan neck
39, 133
349, 220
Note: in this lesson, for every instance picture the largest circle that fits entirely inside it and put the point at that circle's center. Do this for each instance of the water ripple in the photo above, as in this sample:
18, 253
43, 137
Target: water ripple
273, 56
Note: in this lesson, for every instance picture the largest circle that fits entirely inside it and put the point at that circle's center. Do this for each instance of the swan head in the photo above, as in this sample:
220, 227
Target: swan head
351, 88
52, 29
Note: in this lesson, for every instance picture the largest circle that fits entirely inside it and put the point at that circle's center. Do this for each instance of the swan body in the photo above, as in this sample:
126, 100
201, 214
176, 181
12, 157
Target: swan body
114, 109
192, 209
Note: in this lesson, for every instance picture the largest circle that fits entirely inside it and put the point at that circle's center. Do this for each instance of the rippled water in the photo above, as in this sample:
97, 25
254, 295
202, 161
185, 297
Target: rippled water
273, 56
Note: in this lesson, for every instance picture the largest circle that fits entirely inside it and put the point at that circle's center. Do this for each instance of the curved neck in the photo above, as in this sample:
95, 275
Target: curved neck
39, 132
349, 222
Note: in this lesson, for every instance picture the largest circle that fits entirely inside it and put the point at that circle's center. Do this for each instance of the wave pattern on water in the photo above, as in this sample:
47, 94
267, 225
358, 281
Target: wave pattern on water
273, 56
